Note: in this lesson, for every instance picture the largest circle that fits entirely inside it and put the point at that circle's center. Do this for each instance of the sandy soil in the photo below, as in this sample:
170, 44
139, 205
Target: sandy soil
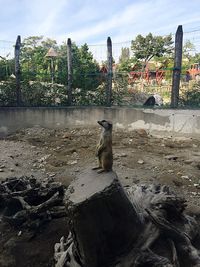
138, 158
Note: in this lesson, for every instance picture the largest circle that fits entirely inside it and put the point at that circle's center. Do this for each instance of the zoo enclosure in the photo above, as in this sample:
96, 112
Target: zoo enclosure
108, 79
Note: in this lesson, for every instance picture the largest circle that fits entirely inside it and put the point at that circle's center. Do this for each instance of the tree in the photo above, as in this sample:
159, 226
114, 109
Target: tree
145, 48
188, 48
34, 64
125, 54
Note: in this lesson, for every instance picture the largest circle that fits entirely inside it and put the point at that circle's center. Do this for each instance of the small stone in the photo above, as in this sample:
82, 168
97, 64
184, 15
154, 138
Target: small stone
171, 157
123, 155
185, 177
194, 145
1, 170
12, 170
170, 171
19, 233
188, 161
140, 161
72, 162
2, 166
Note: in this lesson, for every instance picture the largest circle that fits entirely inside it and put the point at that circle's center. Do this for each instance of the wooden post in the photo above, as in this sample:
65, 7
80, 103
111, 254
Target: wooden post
177, 67
69, 66
17, 69
109, 77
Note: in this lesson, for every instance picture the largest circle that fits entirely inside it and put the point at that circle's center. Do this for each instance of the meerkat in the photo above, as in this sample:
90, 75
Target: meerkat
104, 148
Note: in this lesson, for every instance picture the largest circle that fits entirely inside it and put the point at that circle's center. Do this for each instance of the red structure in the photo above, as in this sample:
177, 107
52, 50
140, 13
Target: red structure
194, 71
147, 75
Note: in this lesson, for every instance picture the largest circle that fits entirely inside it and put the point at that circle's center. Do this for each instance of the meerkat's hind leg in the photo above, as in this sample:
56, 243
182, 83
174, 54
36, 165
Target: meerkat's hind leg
96, 168
101, 170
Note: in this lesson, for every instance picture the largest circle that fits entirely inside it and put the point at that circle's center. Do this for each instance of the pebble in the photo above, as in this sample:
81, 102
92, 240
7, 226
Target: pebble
188, 161
185, 177
123, 155
1, 170
171, 157
140, 161
72, 162
170, 171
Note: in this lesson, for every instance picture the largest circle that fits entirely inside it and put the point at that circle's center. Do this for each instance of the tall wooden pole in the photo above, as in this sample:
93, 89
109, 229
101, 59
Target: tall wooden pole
177, 67
69, 67
17, 69
110, 72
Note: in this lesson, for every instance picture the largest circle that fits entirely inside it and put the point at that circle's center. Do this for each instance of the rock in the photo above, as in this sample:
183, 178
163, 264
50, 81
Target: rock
142, 132
186, 177
170, 171
72, 162
123, 155
171, 157
2, 166
140, 161
188, 161
1, 170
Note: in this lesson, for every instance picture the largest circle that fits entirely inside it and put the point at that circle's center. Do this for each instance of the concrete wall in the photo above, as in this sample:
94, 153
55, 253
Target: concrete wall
156, 121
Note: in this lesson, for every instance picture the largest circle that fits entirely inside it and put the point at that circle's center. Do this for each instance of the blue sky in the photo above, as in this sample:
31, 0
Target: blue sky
92, 21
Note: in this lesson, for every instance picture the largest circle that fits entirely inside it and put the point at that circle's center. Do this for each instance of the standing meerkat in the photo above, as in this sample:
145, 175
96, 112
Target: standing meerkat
104, 148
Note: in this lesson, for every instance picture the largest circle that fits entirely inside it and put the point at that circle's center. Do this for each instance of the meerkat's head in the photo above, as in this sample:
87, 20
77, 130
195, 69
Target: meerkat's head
105, 124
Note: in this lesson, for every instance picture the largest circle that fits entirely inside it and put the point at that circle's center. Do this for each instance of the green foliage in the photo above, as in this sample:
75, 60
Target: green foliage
35, 66
191, 97
125, 55
7, 68
145, 48
7, 94
43, 94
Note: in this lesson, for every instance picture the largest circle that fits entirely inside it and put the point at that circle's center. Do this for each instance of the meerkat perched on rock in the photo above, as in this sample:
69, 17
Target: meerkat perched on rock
104, 148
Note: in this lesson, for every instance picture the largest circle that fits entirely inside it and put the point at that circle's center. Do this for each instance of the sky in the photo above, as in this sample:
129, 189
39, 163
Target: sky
92, 21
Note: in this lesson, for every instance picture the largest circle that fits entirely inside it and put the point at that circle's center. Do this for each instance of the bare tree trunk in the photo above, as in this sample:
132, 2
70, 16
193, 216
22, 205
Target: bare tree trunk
110, 72
102, 220
17, 69
177, 67
69, 66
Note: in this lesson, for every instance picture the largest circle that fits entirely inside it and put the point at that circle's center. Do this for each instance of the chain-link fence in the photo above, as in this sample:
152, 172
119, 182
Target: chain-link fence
44, 74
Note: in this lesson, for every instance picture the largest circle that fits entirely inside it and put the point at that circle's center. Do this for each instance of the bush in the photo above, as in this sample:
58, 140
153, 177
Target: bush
7, 94
191, 97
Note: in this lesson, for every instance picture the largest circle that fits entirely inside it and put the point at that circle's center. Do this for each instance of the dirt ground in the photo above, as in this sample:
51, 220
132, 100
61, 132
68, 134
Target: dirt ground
62, 154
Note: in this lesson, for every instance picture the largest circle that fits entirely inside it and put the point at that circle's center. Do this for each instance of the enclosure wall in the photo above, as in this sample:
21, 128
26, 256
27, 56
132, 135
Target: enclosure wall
155, 121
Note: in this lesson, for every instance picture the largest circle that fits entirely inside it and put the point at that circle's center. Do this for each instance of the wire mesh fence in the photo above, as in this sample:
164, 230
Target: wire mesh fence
44, 79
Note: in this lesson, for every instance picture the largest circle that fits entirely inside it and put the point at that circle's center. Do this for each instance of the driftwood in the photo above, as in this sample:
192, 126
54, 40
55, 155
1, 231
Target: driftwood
26, 202
111, 227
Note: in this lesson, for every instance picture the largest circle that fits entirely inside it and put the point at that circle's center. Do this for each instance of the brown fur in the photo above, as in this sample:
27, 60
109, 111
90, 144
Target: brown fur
104, 147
